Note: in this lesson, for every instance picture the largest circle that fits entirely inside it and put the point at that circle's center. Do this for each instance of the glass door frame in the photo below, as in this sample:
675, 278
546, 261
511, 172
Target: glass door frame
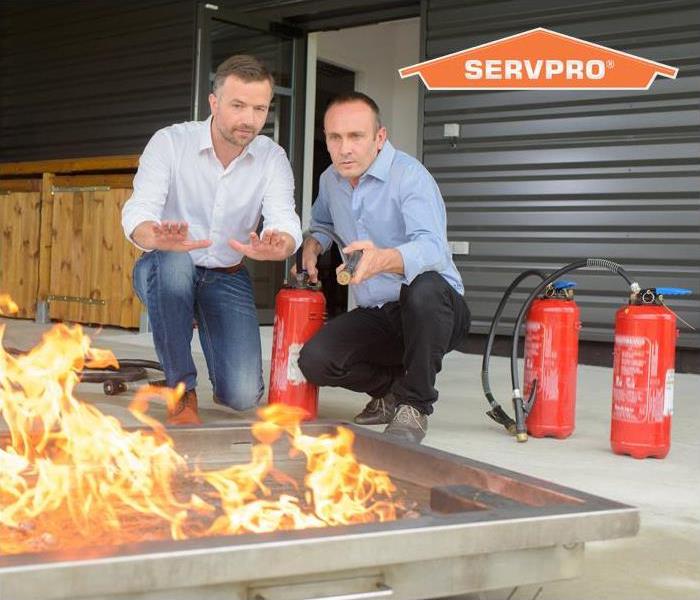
296, 92
206, 13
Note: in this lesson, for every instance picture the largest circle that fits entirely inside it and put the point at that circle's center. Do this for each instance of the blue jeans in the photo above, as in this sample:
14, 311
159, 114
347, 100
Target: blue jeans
176, 292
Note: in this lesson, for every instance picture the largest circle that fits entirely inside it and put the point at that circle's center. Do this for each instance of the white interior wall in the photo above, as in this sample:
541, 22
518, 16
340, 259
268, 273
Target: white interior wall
375, 53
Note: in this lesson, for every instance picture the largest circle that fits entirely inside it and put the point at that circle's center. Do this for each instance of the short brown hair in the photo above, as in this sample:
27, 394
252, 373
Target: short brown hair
247, 68
347, 97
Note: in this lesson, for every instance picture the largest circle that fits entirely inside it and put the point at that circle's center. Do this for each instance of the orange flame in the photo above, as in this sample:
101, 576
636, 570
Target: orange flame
7, 305
72, 477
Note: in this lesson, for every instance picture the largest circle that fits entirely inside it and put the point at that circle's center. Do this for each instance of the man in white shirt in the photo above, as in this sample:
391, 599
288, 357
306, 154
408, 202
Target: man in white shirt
199, 193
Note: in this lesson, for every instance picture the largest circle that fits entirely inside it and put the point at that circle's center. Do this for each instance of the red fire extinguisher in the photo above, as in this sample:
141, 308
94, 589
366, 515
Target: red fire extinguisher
643, 373
300, 310
551, 361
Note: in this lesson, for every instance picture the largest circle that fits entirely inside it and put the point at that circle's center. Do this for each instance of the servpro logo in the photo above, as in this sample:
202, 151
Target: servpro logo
532, 71
538, 59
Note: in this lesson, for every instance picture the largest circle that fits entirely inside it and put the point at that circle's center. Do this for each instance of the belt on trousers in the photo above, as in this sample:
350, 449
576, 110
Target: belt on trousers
229, 270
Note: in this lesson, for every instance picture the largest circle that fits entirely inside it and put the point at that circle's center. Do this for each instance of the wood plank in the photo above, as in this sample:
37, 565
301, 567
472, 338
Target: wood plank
20, 185
19, 249
63, 246
92, 259
97, 263
45, 237
119, 181
130, 305
71, 165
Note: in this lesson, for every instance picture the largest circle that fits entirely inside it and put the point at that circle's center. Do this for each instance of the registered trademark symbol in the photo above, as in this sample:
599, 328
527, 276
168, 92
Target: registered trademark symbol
610, 63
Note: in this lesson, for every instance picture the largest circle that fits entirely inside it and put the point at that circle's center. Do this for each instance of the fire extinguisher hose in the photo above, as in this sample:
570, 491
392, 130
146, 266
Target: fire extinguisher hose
349, 260
496, 412
130, 370
521, 408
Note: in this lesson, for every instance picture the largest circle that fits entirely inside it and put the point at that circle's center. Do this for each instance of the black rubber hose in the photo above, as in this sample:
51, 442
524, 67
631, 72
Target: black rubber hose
497, 413
327, 231
137, 362
595, 263
123, 374
130, 369
349, 260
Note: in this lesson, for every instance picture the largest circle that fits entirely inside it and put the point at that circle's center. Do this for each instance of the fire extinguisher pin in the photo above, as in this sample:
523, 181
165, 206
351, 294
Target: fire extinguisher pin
675, 314
656, 296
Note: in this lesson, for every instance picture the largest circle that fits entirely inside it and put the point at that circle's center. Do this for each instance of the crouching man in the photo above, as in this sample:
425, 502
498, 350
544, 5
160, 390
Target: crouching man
411, 310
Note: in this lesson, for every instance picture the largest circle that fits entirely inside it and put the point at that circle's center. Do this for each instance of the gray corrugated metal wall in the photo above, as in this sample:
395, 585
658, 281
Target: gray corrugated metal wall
540, 179
98, 77
92, 78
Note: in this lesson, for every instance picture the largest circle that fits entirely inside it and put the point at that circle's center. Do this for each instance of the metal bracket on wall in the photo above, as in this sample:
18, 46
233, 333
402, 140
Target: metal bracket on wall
80, 188
42, 312
80, 299
459, 247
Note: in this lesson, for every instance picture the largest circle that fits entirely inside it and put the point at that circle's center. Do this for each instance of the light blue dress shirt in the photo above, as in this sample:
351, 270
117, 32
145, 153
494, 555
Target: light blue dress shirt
396, 204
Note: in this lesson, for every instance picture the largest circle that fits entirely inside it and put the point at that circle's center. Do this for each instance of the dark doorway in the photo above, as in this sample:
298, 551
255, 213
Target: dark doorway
330, 81
222, 33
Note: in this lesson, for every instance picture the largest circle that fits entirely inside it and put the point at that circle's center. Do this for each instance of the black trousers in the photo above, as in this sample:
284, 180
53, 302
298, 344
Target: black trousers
398, 347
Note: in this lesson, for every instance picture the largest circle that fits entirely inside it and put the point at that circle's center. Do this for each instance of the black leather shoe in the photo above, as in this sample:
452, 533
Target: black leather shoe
408, 425
378, 411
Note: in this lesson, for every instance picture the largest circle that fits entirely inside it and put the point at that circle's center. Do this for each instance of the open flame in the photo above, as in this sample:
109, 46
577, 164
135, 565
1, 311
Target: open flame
72, 477
7, 305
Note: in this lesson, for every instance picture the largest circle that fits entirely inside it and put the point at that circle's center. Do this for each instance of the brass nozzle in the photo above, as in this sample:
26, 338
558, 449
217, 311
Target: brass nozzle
344, 277
521, 437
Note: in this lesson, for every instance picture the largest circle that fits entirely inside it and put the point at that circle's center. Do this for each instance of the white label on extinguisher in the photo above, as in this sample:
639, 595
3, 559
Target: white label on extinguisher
294, 374
668, 394
632, 397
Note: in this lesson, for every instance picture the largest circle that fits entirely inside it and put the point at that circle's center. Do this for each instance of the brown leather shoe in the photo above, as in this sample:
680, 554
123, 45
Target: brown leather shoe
185, 411
408, 425
379, 411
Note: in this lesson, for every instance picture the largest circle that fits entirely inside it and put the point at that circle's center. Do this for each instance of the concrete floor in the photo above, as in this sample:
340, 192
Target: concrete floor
663, 561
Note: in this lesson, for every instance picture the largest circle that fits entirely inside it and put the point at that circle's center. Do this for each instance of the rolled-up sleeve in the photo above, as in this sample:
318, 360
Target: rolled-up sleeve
423, 211
151, 184
278, 207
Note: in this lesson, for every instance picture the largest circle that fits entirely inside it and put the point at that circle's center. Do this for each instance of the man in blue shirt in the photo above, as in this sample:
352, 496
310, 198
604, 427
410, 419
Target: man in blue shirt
411, 310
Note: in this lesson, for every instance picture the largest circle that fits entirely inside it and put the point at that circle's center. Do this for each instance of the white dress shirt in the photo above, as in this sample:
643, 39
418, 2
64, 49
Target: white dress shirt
180, 179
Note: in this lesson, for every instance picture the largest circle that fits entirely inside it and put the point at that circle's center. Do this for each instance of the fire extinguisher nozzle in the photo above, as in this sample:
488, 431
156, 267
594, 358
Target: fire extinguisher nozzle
521, 437
501, 417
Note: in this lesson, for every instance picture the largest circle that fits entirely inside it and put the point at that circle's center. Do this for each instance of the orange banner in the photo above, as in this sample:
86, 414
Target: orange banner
539, 59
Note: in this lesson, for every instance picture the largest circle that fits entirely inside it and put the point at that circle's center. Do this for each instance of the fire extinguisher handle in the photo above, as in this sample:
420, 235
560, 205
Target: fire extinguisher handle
671, 291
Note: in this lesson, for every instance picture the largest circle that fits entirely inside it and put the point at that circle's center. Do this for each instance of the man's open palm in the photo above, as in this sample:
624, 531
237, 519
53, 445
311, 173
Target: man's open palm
273, 245
168, 236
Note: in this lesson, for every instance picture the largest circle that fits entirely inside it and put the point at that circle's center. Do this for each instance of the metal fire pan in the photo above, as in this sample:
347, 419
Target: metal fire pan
479, 527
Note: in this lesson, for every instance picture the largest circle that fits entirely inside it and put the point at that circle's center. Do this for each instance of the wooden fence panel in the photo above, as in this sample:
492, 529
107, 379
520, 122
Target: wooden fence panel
91, 261
20, 214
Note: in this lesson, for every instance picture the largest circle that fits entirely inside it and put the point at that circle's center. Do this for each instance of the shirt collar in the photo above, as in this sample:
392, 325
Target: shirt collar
205, 142
381, 165
205, 136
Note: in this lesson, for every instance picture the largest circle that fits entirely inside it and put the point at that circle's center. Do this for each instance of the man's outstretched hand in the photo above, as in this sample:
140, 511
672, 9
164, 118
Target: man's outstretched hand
168, 236
273, 245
